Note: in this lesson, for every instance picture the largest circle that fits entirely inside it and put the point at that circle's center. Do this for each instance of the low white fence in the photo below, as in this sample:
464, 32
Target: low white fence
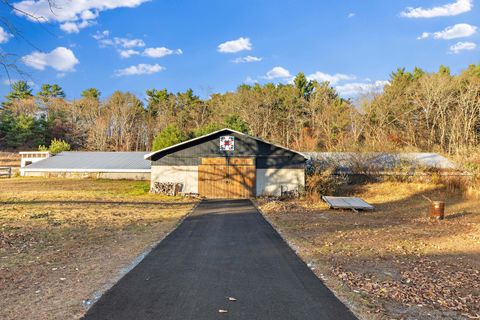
5, 172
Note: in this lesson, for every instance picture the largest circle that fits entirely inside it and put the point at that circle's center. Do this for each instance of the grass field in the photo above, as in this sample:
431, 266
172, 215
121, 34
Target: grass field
62, 240
391, 263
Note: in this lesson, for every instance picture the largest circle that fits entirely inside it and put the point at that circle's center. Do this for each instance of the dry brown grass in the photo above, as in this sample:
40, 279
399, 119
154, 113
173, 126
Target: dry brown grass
61, 240
392, 263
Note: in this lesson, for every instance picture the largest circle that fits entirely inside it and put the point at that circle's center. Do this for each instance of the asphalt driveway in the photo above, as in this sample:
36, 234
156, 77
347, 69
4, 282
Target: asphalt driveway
225, 248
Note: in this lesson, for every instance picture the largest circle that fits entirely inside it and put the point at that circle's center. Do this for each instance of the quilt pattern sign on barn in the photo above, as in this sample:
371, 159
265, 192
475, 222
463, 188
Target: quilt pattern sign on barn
227, 143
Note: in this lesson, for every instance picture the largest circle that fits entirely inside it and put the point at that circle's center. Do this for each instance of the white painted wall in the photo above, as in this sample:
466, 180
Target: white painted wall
32, 157
187, 175
271, 181
268, 181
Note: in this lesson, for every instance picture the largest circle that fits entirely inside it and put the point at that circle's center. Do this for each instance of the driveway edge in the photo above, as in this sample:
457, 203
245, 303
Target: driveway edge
87, 304
292, 246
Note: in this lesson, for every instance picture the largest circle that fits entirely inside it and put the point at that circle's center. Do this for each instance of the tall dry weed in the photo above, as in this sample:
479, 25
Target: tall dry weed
324, 182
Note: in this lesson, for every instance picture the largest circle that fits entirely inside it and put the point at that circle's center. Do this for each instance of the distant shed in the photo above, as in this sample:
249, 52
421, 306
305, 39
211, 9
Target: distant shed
29, 157
229, 164
103, 165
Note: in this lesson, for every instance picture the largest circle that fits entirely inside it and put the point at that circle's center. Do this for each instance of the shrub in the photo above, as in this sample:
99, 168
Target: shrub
324, 182
56, 146
233, 122
209, 128
236, 123
168, 137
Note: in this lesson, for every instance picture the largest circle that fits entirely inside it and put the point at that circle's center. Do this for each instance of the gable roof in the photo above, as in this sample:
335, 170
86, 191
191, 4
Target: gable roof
79, 161
165, 150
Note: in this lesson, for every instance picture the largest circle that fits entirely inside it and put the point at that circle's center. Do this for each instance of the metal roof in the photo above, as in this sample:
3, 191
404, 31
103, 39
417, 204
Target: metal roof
92, 162
149, 156
345, 161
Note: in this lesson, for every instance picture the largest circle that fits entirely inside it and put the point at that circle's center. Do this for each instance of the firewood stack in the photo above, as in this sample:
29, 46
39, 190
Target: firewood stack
166, 188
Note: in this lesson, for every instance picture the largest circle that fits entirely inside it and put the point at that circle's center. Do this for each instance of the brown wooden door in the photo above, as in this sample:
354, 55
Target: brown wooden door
226, 177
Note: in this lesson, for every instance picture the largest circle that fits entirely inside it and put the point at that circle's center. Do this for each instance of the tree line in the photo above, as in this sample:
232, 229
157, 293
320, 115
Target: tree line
417, 111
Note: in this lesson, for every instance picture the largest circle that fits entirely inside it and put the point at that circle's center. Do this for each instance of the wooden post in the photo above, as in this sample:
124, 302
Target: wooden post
436, 210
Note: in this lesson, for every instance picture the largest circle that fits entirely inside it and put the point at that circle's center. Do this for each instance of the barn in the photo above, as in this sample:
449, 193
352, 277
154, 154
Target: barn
229, 164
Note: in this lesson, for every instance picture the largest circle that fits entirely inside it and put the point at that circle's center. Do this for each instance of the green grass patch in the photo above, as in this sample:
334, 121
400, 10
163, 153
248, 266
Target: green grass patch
139, 189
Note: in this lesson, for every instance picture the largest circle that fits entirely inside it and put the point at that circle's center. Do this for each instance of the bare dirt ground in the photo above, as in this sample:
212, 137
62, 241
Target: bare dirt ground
391, 263
63, 240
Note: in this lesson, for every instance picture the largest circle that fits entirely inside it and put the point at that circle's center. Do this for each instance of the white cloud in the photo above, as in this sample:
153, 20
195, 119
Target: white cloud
358, 88
333, 79
451, 9
250, 80
60, 59
246, 59
128, 53
233, 46
75, 27
351, 89
461, 30
139, 70
126, 47
101, 35
9, 82
160, 52
424, 35
462, 46
4, 35
105, 41
73, 15
351, 15
277, 72
150, 52
128, 43
71, 27
89, 15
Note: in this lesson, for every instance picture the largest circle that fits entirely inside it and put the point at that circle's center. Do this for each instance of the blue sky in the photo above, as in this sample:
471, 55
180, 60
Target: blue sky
178, 44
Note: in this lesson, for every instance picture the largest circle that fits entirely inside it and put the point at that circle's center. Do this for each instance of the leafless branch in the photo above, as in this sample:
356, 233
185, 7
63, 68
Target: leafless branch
8, 61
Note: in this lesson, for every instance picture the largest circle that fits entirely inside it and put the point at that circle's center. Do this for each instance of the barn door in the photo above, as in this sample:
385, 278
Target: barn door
226, 177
